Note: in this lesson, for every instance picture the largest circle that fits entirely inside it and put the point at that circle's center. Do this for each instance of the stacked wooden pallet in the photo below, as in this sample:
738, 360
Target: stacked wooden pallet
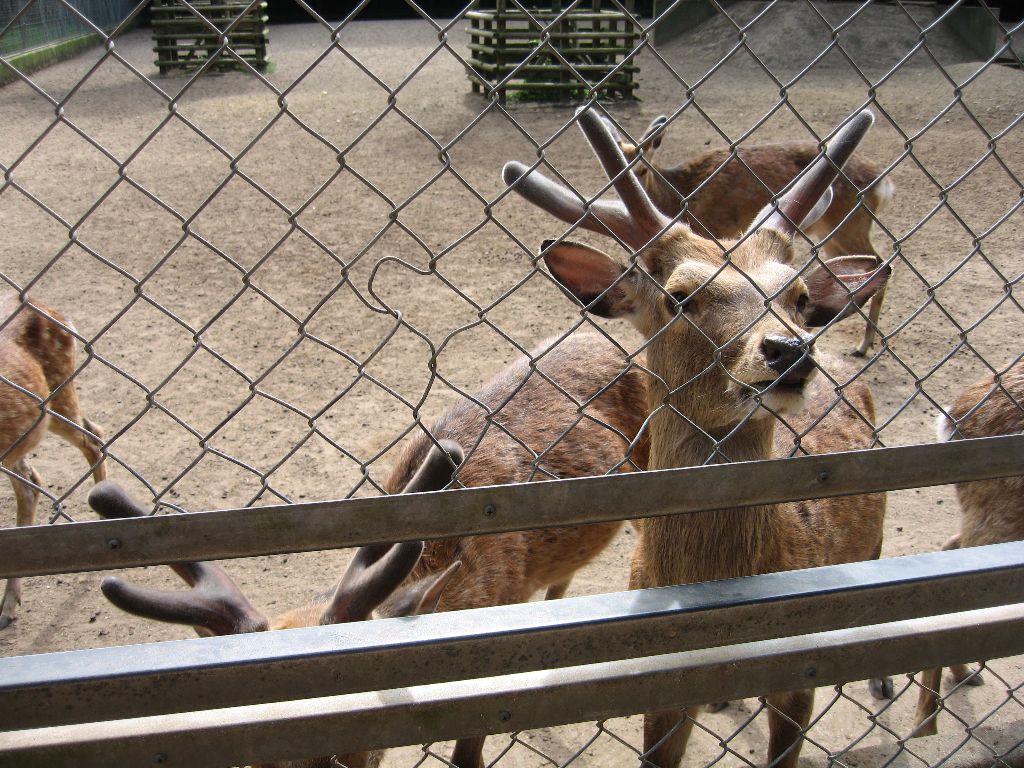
551, 53
183, 40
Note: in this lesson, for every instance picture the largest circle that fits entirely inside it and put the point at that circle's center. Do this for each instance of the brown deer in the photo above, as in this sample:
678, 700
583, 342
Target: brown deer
573, 409
991, 511
727, 352
723, 192
37, 393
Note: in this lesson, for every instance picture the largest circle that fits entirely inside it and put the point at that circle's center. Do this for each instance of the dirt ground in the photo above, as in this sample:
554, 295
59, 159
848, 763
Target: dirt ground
210, 352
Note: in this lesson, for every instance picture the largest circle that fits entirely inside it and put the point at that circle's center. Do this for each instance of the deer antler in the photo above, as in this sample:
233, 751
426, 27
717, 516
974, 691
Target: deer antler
635, 221
214, 604
803, 196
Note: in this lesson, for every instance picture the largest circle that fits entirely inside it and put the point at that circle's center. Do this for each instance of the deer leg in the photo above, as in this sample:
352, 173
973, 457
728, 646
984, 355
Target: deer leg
874, 312
881, 688
854, 237
931, 679
87, 444
27, 497
964, 674
92, 451
961, 672
788, 716
557, 591
925, 719
665, 737
469, 753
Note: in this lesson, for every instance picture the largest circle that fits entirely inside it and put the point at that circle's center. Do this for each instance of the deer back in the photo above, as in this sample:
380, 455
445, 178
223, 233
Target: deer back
535, 432
736, 188
36, 355
992, 511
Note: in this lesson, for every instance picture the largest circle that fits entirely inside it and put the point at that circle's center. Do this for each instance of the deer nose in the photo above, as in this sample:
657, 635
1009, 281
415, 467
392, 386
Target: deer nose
789, 357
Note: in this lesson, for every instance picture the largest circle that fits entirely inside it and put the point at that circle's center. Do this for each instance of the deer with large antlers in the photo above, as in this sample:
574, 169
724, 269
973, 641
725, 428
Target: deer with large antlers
214, 605
37, 393
572, 409
728, 353
722, 191
991, 511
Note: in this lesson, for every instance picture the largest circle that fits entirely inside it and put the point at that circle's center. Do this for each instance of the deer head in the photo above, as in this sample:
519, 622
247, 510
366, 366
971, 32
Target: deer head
726, 323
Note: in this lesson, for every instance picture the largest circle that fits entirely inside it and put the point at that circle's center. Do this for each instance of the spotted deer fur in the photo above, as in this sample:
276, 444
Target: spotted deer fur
38, 361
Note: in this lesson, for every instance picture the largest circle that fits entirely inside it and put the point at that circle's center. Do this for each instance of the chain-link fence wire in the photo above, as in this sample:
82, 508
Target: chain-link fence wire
29, 26
279, 279
843, 732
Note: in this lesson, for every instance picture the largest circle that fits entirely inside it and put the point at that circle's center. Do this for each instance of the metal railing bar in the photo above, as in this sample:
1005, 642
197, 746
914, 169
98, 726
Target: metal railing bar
237, 670
399, 717
103, 544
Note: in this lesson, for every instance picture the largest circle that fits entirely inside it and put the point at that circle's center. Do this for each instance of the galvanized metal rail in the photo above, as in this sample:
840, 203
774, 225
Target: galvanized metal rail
396, 717
277, 695
233, 533
156, 678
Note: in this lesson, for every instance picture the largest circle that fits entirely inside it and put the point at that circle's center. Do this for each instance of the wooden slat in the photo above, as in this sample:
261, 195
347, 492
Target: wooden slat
504, 69
520, 53
555, 36
166, 10
545, 15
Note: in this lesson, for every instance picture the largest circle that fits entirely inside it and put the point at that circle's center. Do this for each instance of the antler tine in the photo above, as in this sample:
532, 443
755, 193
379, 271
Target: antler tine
205, 606
214, 603
549, 195
438, 469
653, 133
378, 569
374, 573
816, 179
643, 212
612, 128
564, 204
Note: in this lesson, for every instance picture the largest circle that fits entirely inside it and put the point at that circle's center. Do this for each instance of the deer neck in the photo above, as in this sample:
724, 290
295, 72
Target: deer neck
710, 545
667, 197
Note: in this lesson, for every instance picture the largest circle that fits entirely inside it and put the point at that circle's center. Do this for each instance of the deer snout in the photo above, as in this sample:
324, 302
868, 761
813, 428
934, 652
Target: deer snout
791, 358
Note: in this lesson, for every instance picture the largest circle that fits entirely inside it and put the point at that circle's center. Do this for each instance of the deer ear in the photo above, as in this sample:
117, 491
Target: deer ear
432, 594
421, 596
595, 279
841, 284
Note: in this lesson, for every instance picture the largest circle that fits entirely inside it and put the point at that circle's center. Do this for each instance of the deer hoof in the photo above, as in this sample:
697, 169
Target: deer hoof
971, 677
881, 688
5, 621
928, 728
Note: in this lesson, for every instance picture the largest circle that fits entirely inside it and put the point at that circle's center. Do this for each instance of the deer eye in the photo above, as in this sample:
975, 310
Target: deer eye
677, 300
802, 302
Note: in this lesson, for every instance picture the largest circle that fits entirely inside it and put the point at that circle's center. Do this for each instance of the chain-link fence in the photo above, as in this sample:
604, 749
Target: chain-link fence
279, 281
